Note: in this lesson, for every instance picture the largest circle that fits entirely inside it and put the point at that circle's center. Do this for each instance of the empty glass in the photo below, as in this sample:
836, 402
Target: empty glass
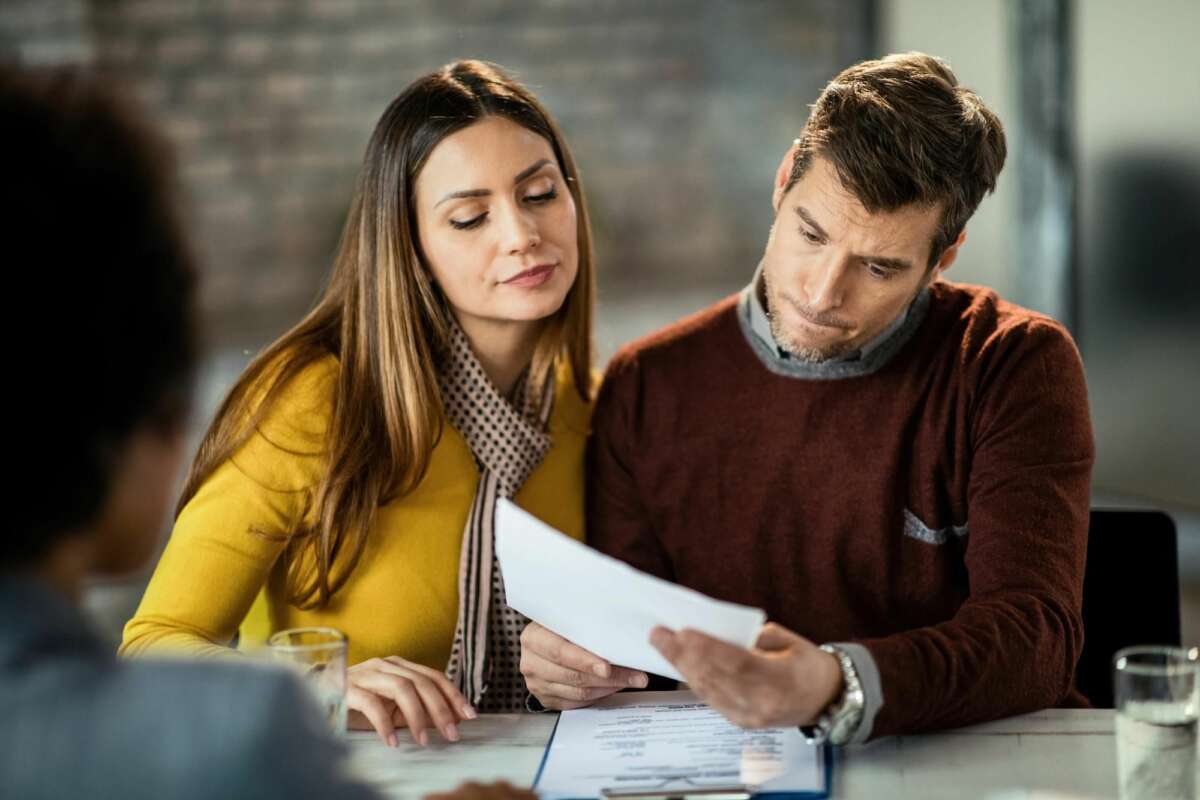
319, 656
1156, 702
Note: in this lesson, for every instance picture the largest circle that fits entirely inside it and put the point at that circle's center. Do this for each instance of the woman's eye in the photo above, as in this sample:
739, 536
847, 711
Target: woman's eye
467, 224
544, 197
810, 237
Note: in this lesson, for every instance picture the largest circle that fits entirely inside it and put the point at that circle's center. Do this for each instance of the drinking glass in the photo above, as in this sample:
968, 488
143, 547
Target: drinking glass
319, 656
1155, 689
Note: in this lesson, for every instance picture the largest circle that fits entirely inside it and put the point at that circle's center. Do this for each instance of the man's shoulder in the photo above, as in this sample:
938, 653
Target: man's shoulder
985, 325
703, 333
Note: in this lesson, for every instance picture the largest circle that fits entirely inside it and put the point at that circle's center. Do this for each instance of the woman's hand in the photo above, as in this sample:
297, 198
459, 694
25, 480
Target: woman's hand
390, 693
562, 675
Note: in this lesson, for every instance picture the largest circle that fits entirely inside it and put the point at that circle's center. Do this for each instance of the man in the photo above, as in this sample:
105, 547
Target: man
886, 462
99, 326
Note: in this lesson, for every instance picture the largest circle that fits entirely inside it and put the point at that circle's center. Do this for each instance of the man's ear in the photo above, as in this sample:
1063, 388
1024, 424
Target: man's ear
948, 257
782, 174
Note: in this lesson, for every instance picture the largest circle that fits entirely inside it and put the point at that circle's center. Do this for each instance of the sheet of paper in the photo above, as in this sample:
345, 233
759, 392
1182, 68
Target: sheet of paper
669, 741
600, 603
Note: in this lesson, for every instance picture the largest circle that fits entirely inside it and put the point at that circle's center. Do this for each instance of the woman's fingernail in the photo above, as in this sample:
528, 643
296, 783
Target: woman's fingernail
451, 732
391, 740
469, 711
601, 670
423, 739
639, 681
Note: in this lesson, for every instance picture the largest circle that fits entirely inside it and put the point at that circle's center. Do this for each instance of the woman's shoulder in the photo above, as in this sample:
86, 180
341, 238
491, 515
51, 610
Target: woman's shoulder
284, 450
571, 410
301, 405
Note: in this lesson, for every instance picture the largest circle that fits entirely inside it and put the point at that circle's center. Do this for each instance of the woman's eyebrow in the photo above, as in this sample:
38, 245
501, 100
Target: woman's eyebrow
522, 175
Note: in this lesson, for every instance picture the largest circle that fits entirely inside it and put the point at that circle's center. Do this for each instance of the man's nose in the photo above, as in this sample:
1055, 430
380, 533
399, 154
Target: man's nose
823, 284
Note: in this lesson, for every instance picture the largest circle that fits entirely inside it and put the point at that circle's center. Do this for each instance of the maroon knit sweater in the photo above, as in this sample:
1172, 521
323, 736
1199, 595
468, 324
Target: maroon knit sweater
934, 510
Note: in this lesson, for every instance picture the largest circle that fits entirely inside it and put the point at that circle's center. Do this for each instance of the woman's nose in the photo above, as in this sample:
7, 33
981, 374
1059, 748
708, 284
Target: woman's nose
520, 232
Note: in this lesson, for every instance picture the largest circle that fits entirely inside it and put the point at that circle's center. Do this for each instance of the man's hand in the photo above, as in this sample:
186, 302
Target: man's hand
481, 791
785, 680
562, 675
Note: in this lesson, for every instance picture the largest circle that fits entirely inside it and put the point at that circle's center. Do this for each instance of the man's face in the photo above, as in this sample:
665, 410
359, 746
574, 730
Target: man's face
836, 275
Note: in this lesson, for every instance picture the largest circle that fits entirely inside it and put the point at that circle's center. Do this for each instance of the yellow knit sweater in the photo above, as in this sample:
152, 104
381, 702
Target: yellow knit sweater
216, 575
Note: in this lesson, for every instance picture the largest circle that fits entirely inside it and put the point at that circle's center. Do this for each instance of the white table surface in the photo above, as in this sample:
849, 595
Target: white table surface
1056, 753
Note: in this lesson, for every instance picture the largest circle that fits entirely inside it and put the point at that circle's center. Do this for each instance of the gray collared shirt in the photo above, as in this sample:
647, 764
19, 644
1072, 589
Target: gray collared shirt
866, 359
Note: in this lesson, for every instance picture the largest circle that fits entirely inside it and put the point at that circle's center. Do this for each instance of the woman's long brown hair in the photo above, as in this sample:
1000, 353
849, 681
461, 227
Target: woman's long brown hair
387, 323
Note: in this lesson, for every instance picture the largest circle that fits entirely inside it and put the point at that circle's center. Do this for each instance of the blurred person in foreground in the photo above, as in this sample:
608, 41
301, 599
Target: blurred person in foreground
101, 324
889, 463
350, 478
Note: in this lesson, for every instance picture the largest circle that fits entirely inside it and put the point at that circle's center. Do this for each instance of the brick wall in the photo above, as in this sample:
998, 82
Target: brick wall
677, 112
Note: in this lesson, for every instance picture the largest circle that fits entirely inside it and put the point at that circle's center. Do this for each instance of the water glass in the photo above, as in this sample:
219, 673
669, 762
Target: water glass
319, 656
1155, 689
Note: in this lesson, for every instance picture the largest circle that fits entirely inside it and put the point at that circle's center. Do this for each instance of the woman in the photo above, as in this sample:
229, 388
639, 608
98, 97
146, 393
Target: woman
350, 477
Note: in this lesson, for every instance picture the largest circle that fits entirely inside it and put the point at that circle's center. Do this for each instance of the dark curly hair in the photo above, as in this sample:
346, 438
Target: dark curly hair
98, 317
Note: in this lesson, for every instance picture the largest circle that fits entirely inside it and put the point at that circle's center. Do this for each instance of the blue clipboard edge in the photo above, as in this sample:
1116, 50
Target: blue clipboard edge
546, 752
764, 796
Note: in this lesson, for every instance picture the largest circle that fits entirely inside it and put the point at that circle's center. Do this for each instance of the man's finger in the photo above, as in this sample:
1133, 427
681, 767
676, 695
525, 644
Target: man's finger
776, 637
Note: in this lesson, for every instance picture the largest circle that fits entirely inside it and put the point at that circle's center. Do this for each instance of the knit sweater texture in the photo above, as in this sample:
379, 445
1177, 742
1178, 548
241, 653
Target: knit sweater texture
932, 508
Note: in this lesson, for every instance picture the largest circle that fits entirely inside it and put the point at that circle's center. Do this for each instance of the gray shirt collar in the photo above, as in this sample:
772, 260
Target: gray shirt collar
863, 361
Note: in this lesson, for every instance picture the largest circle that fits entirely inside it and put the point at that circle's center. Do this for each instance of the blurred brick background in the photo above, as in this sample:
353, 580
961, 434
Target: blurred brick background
677, 112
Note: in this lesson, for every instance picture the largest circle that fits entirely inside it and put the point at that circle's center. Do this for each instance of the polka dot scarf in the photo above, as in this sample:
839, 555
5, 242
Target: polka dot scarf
508, 444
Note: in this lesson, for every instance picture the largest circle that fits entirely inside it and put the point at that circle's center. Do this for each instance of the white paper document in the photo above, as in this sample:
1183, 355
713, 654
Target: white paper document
670, 743
600, 603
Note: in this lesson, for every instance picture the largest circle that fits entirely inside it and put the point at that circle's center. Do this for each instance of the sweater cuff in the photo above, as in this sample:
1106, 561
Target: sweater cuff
868, 675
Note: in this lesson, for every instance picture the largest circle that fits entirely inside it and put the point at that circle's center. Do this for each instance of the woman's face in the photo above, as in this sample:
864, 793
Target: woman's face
497, 225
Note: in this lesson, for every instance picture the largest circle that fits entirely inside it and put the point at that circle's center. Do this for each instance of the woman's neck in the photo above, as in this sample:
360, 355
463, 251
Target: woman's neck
504, 349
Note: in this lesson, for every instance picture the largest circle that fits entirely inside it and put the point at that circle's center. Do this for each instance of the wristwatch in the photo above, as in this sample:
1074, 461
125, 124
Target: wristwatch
840, 720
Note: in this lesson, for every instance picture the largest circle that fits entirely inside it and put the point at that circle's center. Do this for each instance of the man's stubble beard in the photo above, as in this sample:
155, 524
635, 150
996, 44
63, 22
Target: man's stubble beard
814, 355
784, 340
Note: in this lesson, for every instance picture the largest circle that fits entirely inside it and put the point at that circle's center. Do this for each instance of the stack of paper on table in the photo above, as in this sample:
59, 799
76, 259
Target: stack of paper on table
666, 744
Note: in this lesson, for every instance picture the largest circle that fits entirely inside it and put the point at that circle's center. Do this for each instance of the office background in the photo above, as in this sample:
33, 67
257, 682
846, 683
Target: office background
678, 112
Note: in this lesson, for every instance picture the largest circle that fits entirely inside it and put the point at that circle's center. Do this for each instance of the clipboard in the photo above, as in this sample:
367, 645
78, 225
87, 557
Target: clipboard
682, 787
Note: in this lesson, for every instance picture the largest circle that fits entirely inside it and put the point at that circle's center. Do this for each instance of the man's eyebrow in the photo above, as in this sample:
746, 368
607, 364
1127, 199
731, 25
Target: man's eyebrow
887, 262
522, 175
896, 264
802, 212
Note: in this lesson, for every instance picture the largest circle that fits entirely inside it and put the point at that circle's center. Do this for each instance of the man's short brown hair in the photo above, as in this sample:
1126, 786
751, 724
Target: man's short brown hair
900, 130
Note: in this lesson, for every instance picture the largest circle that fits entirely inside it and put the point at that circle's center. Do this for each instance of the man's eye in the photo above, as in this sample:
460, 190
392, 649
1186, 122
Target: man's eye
467, 224
810, 237
883, 273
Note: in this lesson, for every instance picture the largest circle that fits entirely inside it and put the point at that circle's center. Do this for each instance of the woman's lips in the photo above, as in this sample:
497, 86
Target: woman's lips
532, 277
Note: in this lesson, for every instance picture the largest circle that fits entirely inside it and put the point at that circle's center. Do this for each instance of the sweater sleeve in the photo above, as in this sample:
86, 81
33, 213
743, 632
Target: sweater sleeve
224, 544
618, 523
1012, 646
228, 537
